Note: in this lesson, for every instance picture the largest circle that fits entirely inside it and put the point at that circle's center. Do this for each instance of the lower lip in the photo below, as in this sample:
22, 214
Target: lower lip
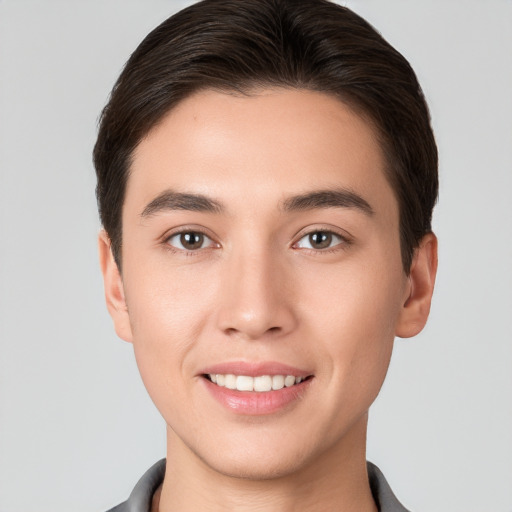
257, 403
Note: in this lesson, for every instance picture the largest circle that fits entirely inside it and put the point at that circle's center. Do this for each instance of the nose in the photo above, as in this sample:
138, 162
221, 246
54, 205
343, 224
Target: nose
257, 296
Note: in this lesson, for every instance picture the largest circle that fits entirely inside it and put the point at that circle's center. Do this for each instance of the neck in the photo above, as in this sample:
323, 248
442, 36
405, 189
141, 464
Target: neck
337, 480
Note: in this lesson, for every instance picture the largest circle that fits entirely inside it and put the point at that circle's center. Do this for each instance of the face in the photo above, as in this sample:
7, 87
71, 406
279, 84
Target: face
262, 280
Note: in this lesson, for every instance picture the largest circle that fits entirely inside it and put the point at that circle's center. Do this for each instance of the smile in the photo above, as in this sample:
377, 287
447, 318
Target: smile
259, 384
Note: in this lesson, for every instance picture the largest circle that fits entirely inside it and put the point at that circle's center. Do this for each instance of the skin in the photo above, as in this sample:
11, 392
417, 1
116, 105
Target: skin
257, 290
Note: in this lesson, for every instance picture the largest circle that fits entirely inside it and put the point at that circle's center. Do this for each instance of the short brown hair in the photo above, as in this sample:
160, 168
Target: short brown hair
240, 45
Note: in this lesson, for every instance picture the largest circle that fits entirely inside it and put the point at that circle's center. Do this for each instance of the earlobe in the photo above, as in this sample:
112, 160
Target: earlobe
114, 289
416, 308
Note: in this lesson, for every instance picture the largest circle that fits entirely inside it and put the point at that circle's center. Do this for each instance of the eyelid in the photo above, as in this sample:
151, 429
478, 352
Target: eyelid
188, 229
346, 238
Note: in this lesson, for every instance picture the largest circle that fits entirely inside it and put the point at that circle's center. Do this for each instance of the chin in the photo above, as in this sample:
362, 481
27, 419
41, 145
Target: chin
255, 468
261, 455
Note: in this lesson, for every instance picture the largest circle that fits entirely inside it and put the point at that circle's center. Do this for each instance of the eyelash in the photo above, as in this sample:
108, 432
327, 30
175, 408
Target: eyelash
344, 242
177, 250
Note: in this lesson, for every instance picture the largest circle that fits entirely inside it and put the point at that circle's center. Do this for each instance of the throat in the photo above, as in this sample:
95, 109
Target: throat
335, 480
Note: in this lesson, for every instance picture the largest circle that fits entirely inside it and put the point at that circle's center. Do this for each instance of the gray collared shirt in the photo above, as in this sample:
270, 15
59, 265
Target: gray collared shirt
142, 494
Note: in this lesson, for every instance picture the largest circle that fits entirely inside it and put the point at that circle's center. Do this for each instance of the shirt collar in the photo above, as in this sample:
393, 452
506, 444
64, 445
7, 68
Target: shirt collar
142, 494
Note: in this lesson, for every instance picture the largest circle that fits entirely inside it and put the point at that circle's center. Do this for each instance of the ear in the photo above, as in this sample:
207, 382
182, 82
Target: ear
114, 289
422, 276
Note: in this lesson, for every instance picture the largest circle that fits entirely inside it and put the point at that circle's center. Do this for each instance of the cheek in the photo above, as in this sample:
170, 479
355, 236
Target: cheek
354, 296
168, 304
354, 310
168, 310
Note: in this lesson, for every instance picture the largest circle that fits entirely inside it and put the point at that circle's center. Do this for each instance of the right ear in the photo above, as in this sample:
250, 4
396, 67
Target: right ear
114, 288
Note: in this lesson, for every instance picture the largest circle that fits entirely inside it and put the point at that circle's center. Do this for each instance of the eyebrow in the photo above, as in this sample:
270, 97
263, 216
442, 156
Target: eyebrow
172, 200
332, 198
337, 198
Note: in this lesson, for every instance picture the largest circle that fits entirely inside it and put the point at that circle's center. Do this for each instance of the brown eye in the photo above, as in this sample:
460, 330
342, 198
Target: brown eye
320, 240
189, 241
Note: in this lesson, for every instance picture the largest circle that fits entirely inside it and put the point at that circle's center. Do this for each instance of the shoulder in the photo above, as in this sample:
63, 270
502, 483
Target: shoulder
382, 493
142, 494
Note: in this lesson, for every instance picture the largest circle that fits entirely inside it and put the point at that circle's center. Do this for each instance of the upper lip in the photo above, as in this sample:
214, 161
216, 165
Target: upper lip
254, 369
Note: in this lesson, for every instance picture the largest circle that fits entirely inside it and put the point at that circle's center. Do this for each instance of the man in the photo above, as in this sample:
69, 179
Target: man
266, 179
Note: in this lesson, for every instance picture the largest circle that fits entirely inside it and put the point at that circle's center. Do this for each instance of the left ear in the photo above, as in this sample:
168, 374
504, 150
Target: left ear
422, 276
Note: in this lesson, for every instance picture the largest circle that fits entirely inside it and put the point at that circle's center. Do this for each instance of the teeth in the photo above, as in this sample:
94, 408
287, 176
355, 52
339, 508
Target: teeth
263, 383
259, 384
244, 383
289, 380
230, 381
278, 382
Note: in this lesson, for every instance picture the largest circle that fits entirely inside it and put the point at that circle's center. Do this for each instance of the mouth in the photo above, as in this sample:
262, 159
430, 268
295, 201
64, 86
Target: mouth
256, 388
258, 384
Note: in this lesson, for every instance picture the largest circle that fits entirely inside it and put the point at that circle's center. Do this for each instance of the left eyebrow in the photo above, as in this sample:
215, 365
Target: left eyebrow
332, 198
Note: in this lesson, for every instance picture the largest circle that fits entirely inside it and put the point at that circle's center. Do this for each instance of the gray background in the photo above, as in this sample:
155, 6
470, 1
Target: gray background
76, 426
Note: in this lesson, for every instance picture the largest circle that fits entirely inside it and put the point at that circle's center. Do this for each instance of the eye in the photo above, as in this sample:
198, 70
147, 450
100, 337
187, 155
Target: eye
319, 240
190, 241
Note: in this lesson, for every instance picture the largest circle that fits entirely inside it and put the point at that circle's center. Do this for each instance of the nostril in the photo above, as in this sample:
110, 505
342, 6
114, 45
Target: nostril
233, 331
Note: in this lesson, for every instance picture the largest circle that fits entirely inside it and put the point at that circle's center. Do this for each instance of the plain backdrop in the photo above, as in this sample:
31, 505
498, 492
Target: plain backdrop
76, 427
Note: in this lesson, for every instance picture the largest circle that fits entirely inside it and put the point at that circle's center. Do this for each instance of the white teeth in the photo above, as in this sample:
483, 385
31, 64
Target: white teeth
259, 384
263, 383
230, 381
289, 380
278, 382
244, 383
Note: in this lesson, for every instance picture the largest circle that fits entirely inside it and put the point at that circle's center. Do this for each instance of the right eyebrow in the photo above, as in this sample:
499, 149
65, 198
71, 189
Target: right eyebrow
172, 200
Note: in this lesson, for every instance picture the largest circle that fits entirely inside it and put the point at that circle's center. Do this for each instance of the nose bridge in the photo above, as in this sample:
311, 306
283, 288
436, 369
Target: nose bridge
254, 300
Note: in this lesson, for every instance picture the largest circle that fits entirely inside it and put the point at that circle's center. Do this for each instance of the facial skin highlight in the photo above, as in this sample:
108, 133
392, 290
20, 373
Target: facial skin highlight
260, 235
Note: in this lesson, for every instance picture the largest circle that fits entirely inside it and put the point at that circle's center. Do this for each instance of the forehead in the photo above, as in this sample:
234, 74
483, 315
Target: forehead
259, 148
